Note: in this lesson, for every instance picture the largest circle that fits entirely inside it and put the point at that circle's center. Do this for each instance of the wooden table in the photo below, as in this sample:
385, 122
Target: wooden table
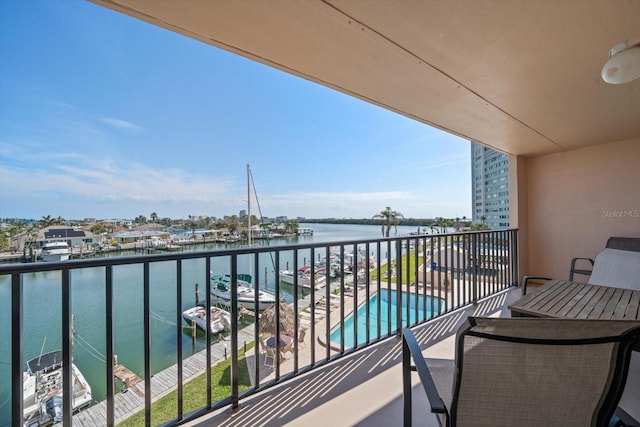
572, 300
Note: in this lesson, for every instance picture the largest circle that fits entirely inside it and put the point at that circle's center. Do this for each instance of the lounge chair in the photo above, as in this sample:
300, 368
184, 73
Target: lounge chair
617, 265
528, 372
619, 255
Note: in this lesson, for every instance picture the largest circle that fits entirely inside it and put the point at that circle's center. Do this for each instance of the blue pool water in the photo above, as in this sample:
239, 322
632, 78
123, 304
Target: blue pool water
387, 300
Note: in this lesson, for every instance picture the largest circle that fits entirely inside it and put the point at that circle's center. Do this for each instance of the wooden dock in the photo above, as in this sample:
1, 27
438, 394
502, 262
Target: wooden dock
125, 375
131, 400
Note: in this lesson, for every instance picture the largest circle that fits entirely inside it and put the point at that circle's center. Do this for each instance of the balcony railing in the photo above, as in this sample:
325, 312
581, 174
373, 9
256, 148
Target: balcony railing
130, 308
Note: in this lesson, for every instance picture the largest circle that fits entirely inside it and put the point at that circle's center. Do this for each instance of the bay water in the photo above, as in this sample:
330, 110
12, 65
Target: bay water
42, 309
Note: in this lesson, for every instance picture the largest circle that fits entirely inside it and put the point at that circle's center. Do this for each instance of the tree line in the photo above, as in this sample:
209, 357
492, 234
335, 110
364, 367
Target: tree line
234, 224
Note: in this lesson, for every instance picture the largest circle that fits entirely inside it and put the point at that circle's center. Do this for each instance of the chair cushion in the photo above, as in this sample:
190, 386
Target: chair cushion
617, 268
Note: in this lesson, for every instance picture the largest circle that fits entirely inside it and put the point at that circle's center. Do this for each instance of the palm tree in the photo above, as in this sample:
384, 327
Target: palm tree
192, 225
233, 224
32, 236
291, 226
154, 217
390, 217
46, 221
479, 226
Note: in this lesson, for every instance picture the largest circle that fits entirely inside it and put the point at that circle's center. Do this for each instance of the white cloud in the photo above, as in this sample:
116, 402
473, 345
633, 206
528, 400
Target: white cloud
122, 124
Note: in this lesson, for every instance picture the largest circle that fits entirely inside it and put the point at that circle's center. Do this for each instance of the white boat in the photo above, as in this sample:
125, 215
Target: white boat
55, 251
42, 385
304, 277
220, 319
221, 286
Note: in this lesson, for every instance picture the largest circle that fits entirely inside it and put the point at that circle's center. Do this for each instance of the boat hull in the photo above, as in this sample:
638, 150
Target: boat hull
304, 280
220, 290
220, 320
224, 298
55, 251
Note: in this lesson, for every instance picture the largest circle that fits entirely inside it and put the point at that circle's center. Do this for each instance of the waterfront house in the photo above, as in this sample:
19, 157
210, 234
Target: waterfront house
521, 77
74, 237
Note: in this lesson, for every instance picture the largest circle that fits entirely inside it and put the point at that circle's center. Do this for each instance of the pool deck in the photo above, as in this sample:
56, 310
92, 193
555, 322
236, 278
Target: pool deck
363, 388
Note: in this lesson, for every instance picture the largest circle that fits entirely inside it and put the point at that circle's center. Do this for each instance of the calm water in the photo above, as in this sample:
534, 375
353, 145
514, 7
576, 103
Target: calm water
388, 304
42, 309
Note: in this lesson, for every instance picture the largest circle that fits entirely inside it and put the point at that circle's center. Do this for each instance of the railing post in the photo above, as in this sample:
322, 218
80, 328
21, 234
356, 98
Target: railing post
354, 313
514, 258
207, 269
407, 410
235, 366
147, 345
67, 348
109, 345
17, 346
179, 333
475, 256
399, 287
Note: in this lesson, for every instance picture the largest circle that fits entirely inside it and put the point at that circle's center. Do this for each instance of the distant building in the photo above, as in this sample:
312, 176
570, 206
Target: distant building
75, 237
120, 222
243, 213
489, 186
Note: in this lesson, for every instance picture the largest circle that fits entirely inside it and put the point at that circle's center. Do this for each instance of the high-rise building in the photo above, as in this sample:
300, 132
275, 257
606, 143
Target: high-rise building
489, 186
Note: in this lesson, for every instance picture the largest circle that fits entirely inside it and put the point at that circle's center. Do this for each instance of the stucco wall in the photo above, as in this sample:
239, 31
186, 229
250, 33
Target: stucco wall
576, 200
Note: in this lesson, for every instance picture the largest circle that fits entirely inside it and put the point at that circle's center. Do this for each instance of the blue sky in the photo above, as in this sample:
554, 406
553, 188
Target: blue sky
105, 116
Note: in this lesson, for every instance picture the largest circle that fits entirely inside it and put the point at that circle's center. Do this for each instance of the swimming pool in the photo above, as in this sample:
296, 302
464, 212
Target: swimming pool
387, 300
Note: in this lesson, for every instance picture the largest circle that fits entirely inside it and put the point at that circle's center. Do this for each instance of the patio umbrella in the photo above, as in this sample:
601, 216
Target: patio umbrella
268, 320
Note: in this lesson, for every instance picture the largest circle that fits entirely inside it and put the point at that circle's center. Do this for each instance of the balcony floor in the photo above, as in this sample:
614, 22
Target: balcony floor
364, 388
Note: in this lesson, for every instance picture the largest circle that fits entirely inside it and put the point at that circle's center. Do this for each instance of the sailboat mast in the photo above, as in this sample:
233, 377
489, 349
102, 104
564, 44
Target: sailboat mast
248, 204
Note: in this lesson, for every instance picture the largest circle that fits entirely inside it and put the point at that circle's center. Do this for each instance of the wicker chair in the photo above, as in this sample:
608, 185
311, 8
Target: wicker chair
529, 372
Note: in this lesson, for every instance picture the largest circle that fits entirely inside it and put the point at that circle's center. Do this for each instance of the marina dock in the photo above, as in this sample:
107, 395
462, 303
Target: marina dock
131, 401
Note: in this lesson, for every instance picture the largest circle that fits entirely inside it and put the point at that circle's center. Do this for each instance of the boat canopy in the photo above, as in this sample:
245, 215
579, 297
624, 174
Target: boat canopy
46, 362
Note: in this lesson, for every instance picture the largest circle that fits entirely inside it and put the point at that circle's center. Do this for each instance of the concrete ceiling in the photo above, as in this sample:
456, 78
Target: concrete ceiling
522, 76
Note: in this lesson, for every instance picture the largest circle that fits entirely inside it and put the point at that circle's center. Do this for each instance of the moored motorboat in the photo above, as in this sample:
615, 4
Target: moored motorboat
221, 290
304, 277
42, 385
220, 319
55, 251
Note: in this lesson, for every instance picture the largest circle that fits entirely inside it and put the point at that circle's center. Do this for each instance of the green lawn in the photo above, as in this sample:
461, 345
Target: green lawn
194, 393
410, 273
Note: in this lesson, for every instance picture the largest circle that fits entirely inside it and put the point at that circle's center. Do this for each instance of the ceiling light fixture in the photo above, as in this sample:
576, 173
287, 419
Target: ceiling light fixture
623, 65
